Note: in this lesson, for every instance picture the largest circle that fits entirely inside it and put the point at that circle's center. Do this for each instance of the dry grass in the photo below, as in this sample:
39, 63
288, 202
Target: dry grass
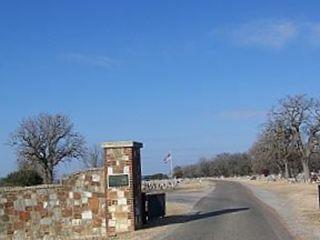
304, 197
194, 185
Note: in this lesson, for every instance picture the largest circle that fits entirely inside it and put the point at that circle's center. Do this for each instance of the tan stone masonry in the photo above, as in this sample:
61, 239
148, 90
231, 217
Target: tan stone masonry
124, 202
70, 210
85, 205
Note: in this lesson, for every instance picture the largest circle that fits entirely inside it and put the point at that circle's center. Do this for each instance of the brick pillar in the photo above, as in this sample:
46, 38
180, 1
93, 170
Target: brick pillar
123, 183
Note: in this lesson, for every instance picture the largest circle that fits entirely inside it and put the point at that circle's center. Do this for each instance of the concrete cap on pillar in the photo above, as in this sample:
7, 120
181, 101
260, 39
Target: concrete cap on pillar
122, 144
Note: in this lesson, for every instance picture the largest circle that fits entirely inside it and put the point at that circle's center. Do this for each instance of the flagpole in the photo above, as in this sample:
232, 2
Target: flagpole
171, 173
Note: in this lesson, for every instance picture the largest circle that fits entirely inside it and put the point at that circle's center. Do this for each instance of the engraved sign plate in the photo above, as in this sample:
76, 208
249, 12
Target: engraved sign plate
120, 180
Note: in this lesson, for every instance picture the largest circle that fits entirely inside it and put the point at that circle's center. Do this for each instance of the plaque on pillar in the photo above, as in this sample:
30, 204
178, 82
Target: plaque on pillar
118, 180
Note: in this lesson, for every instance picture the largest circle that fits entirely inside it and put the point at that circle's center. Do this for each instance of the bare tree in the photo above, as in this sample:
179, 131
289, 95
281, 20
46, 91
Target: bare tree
45, 141
93, 157
263, 158
278, 143
302, 116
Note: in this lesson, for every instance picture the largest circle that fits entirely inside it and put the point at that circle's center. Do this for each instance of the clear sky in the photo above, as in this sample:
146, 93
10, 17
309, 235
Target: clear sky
193, 77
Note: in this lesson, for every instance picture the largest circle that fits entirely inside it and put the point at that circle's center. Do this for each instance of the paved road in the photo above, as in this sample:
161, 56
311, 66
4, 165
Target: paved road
230, 212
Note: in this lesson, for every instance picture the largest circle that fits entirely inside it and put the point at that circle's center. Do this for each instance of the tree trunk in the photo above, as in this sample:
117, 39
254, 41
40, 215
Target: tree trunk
280, 169
48, 176
291, 172
306, 170
286, 170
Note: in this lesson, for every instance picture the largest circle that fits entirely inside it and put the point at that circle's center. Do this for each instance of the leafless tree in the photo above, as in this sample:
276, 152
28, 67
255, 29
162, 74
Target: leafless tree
46, 140
93, 157
276, 141
301, 115
261, 159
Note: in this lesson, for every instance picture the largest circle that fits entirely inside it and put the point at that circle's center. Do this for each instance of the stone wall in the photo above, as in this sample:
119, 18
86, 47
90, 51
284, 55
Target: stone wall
74, 209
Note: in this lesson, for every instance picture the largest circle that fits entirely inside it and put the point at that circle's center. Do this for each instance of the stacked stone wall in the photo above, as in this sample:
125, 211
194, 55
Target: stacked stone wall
74, 209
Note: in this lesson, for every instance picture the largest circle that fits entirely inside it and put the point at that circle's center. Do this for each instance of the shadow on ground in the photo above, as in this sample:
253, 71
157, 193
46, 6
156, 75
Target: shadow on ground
174, 219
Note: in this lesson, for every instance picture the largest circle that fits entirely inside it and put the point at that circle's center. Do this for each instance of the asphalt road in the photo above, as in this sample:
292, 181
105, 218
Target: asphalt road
229, 212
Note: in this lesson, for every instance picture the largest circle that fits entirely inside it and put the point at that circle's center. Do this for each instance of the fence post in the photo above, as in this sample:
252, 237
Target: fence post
319, 194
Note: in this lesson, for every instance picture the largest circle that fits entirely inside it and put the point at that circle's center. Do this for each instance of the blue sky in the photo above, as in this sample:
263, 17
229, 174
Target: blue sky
193, 77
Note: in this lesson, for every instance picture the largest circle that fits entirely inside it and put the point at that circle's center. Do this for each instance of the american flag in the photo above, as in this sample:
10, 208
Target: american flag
167, 158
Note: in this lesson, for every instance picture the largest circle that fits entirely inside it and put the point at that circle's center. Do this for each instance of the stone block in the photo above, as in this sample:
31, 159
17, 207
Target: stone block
86, 215
111, 223
18, 235
19, 205
53, 196
57, 214
120, 194
53, 203
126, 169
30, 202
104, 223
122, 201
77, 216
94, 204
66, 212
76, 222
77, 195
96, 178
42, 191
24, 215
112, 195
125, 208
18, 225
46, 221
122, 227
112, 208
35, 216
125, 158
87, 194
71, 195
97, 222
5, 218
119, 216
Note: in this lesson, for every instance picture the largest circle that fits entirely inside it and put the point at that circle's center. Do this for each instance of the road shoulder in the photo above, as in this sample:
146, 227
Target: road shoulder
292, 205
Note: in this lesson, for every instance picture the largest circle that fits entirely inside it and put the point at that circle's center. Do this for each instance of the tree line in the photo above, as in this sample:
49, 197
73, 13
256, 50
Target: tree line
288, 143
224, 164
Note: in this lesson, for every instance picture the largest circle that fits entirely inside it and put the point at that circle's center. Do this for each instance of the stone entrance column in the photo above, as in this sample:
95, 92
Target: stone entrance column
123, 183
